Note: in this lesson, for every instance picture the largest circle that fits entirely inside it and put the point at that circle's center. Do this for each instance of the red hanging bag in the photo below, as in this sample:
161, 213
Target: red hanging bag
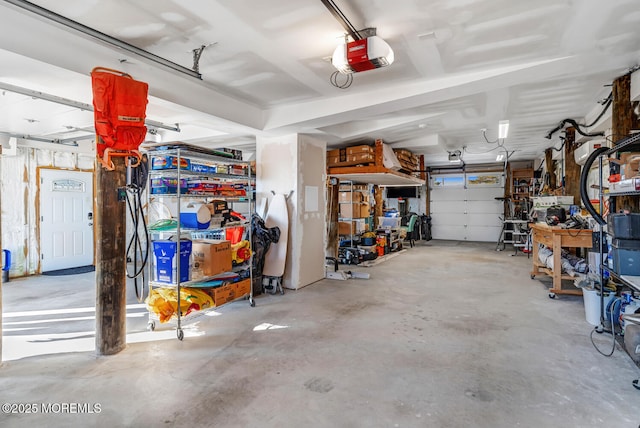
119, 105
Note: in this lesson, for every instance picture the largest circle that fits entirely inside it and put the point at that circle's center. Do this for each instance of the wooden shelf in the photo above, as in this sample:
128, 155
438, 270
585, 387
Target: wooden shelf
376, 173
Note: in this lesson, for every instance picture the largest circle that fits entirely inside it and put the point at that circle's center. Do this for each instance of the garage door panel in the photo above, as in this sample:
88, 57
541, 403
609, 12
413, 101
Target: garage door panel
449, 219
456, 233
484, 193
483, 233
485, 207
446, 207
448, 194
484, 220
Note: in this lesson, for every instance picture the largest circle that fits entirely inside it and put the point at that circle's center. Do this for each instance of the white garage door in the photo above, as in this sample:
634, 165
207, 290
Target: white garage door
464, 206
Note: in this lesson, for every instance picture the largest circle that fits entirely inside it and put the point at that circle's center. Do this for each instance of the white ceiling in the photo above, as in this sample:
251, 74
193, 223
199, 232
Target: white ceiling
460, 66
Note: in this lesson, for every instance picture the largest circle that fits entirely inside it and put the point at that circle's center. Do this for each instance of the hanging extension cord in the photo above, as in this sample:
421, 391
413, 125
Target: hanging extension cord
613, 333
137, 247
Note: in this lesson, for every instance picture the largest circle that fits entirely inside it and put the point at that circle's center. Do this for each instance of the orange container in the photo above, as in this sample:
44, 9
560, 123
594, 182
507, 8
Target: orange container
234, 234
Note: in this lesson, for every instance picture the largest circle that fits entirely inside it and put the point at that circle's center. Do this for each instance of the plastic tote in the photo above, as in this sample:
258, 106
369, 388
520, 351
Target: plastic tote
592, 304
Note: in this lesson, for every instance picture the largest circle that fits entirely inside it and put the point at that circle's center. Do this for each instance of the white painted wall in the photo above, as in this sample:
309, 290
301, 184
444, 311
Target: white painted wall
296, 163
19, 192
310, 224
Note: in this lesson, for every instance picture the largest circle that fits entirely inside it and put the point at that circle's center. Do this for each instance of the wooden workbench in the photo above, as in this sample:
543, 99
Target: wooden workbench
557, 238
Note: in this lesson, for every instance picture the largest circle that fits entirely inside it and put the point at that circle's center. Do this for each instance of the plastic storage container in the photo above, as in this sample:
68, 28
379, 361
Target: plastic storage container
196, 216
625, 254
592, 304
624, 226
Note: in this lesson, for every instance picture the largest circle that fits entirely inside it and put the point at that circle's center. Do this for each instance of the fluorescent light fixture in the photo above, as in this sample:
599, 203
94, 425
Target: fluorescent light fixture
503, 129
500, 157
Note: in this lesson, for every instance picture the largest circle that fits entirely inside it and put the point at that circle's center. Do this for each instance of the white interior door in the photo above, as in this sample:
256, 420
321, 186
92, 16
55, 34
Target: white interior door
66, 219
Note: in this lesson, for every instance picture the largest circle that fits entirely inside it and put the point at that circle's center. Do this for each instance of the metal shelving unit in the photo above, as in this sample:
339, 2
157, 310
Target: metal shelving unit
630, 281
627, 143
209, 162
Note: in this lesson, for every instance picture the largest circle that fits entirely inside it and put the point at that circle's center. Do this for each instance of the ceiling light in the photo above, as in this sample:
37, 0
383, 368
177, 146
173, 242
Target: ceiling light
503, 129
362, 55
500, 157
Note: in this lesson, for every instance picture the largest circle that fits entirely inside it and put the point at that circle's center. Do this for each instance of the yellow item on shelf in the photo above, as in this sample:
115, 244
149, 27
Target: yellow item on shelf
241, 252
164, 302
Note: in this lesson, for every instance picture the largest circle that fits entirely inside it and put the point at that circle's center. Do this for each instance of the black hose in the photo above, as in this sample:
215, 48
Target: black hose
577, 126
607, 104
584, 195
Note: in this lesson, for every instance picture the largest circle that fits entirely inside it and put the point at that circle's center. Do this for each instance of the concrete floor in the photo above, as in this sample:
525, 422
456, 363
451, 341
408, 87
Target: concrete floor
444, 335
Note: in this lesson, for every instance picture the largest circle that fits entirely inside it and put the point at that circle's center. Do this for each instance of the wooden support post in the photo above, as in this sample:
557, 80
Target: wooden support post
571, 168
508, 188
333, 191
551, 168
623, 120
378, 156
378, 212
111, 302
427, 191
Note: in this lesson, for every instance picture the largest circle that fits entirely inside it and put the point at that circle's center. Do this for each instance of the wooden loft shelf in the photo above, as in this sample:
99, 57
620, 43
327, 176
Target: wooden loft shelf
376, 173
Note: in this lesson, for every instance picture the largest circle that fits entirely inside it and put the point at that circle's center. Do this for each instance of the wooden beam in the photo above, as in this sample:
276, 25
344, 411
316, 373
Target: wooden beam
551, 168
333, 190
378, 212
571, 168
111, 302
427, 192
378, 156
623, 120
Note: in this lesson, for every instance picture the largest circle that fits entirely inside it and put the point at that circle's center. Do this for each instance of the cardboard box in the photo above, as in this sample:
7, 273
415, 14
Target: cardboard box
350, 156
346, 187
163, 185
350, 197
354, 226
218, 206
169, 162
223, 294
351, 160
355, 210
347, 228
365, 210
212, 256
348, 151
243, 287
